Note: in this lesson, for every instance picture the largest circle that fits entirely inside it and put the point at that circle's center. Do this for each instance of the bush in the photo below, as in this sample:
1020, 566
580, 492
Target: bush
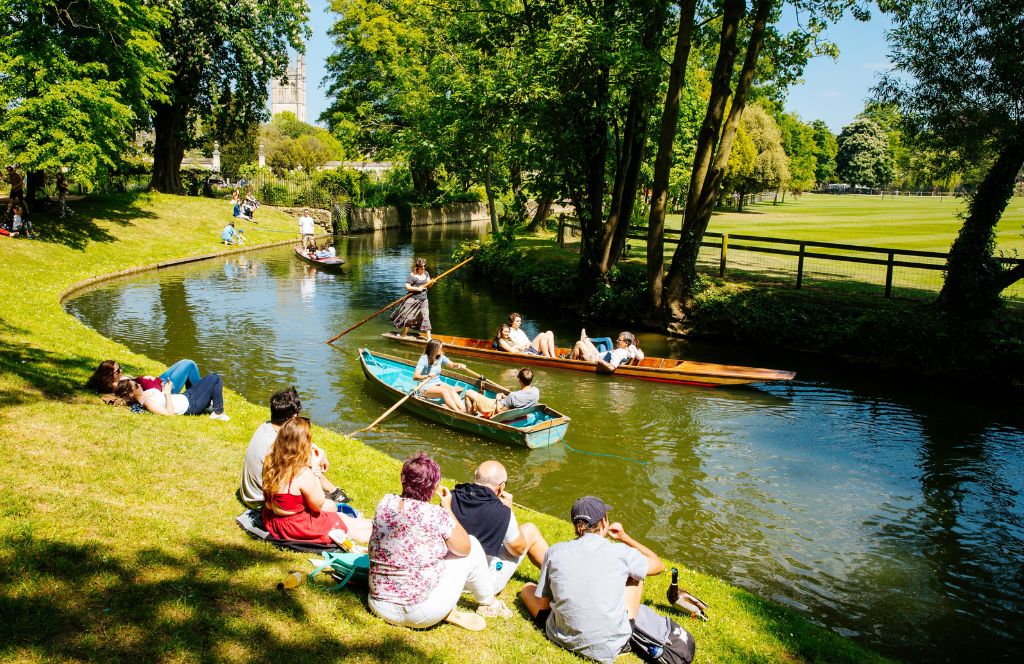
274, 194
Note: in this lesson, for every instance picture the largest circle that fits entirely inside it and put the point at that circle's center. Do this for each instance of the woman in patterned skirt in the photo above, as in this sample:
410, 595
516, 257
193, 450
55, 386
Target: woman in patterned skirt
415, 310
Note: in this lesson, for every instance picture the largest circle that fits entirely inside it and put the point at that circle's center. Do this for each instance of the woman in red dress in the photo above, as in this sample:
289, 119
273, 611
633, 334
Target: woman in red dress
295, 507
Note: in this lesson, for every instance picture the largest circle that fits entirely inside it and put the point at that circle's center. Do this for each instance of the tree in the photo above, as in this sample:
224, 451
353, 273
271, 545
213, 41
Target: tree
826, 148
799, 145
965, 92
222, 55
764, 164
863, 157
290, 144
76, 81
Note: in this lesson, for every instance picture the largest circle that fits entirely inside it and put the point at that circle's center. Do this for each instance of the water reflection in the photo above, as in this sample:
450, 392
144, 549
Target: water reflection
892, 517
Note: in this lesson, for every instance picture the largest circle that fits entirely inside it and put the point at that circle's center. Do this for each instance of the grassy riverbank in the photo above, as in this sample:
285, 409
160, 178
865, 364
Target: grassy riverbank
117, 538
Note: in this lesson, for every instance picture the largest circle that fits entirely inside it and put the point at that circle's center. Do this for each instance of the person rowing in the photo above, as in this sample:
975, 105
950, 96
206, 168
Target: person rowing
430, 365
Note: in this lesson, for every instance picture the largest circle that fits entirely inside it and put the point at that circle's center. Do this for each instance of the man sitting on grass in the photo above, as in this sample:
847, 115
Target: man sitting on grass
590, 589
484, 509
284, 405
527, 395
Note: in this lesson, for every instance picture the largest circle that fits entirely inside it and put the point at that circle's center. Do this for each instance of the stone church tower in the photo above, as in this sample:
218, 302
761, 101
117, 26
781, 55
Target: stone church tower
290, 96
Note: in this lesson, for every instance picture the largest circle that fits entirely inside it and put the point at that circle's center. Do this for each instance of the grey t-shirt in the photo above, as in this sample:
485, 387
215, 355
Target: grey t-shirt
527, 396
585, 579
252, 470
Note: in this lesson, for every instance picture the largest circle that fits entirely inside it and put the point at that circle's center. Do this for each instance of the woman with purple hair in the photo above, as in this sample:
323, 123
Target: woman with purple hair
422, 559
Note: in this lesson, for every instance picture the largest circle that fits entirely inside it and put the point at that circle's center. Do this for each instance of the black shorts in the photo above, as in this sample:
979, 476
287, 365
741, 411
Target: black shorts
540, 621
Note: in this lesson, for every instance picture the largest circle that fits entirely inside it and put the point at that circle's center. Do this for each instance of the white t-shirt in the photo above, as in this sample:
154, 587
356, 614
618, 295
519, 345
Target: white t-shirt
260, 445
179, 402
519, 338
620, 355
306, 225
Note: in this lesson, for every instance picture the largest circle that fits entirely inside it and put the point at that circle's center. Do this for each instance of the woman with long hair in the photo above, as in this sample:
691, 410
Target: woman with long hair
294, 504
207, 393
430, 365
415, 311
542, 344
422, 559
183, 374
503, 340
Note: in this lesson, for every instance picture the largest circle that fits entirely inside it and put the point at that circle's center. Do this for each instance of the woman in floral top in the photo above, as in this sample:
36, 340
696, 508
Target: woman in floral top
421, 559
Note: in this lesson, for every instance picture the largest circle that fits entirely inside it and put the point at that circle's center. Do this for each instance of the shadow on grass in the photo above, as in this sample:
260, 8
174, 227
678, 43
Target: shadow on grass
81, 228
90, 603
57, 376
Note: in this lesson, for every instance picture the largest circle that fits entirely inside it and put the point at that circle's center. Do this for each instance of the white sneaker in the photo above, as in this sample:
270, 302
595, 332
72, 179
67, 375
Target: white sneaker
495, 609
223, 417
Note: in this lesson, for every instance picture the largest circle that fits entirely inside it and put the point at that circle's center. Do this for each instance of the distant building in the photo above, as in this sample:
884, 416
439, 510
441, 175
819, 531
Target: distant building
291, 95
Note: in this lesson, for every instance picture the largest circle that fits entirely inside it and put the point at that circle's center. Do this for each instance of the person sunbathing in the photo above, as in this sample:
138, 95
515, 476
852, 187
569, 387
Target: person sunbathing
626, 351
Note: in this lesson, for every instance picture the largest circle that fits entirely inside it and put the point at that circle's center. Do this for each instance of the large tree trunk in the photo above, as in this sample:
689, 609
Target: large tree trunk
663, 161
541, 214
34, 183
707, 176
974, 278
590, 207
168, 149
491, 205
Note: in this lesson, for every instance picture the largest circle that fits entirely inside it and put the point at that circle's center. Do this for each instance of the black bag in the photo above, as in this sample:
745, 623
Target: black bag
659, 639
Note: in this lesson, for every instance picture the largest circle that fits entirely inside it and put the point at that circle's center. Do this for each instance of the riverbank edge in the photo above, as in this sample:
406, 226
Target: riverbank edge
49, 355
916, 339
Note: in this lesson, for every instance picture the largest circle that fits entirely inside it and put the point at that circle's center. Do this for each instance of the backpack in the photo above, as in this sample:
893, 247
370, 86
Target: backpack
344, 566
660, 640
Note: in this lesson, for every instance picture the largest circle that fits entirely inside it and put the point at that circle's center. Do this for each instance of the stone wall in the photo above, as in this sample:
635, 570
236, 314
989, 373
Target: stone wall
321, 218
367, 220
450, 214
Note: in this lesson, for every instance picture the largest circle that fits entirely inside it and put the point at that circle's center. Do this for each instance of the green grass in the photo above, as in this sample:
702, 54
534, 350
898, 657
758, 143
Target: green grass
117, 539
906, 222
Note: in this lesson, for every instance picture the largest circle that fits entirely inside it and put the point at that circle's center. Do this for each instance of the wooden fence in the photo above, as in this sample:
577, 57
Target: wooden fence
803, 250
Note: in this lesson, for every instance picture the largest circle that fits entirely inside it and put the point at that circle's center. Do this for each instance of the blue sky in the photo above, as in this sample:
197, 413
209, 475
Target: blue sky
833, 91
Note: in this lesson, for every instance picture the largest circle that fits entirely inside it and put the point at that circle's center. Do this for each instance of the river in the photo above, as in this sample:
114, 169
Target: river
889, 510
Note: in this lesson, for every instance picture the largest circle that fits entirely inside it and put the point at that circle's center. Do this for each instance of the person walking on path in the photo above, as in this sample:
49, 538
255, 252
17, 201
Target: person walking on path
415, 311
590, 589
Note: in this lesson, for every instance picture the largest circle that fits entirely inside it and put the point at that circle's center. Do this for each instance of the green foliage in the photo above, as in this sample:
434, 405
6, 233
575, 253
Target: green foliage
272, 193
863, 158
758, 161
76, 80
291, 144
826, 148
798, 142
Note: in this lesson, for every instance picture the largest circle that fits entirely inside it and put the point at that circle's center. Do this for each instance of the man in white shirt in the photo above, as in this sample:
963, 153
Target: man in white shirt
306, 228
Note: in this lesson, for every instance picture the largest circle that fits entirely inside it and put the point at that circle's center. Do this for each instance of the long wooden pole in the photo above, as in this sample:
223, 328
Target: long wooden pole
401, 299
392, 409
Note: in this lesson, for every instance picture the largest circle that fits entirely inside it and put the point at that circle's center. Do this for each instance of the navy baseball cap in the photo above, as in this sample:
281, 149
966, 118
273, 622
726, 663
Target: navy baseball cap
590, 509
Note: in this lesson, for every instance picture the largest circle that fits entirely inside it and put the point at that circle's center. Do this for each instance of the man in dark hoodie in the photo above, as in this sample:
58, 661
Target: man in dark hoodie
484, 509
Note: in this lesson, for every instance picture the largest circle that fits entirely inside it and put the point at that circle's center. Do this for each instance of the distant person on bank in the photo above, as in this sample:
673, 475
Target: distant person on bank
590, 589
484, 509
284, 405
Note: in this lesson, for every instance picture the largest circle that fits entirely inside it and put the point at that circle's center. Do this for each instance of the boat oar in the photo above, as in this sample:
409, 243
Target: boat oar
398, 301
392, 409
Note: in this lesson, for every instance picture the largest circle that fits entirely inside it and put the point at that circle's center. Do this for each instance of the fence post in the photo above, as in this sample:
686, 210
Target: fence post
888, 274
561, 230
725, 253
800, 267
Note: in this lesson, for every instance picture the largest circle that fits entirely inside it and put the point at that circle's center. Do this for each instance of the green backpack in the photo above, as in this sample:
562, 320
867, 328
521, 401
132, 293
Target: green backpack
345, 566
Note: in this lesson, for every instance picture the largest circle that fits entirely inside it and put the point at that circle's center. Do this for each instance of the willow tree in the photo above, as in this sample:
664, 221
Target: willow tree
222, 55
959, 80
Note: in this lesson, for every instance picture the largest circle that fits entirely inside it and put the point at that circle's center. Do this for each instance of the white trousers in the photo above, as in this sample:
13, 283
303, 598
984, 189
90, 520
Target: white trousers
461, 574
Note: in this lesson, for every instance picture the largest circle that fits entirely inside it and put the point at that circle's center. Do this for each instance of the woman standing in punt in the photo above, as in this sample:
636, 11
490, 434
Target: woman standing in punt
415, 311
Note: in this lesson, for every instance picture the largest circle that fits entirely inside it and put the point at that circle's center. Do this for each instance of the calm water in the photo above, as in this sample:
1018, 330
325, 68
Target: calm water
890, 514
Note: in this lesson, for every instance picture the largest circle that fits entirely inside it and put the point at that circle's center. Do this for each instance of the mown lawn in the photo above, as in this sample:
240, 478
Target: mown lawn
117, 539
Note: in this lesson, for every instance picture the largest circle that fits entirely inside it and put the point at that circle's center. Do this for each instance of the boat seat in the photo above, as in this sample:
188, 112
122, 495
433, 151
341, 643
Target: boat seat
508, 416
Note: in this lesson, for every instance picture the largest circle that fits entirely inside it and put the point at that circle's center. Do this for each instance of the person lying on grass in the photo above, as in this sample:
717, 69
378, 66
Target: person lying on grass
422, 559
207, 393
294, 505
183, 374
284, 405
527, 395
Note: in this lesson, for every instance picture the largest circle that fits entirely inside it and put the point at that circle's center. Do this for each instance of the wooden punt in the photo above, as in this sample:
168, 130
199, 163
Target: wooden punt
532, 427
657, 369
328, 264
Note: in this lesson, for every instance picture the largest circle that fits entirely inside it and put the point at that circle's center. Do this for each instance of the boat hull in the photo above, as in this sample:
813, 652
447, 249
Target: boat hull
549, 431
327, 264
655, 369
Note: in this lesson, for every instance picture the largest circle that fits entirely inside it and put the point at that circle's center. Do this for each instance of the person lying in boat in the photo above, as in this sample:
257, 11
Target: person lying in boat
284, 405
626, 351
429, 366
294, 505
527, 395
484, 509
542, 344
183, 374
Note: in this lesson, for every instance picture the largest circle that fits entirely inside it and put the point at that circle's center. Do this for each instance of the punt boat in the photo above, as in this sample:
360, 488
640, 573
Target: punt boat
327, 264
657, 369
533, 427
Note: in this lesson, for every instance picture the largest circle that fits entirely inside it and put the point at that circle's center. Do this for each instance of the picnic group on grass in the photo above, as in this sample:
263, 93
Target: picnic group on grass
424, 555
